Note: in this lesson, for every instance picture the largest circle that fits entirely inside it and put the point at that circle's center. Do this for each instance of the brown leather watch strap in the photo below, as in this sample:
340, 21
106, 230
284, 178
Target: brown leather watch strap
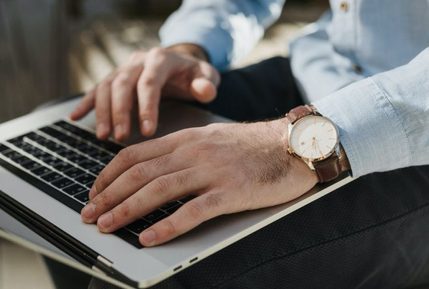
332, 167
299, 112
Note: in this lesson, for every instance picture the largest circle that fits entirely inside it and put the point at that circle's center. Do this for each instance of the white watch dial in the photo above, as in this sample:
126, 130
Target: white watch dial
313, 137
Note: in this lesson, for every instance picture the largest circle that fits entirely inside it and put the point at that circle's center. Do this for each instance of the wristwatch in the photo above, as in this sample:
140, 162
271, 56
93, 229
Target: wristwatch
315, 139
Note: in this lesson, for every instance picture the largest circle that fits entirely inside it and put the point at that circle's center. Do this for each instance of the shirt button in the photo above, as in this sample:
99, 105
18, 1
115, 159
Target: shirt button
344, 6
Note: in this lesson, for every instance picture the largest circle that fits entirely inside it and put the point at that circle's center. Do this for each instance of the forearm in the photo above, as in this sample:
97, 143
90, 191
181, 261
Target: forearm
225, 29
384, 120
191, 50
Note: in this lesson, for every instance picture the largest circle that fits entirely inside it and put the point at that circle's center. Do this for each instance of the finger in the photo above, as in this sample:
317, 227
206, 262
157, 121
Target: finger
149, 89
152, 196
203, 90
131, 156
123, 87
205, 82
128, 183
86, 104
189, 216
103, 108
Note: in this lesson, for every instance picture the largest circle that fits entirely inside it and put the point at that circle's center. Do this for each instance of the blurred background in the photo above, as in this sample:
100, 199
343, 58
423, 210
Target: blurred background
55, 48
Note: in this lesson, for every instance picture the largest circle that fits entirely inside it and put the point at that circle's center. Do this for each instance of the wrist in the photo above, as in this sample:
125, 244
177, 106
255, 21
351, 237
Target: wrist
190, 49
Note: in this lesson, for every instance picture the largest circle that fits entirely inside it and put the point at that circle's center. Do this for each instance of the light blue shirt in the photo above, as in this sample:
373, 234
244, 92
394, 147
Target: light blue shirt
364, 64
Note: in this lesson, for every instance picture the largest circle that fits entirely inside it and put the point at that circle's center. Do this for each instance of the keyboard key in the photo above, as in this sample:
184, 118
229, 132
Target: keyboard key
51, 177
171, 204
97, 169
23, 161
71, 141
62, 183
16, 157
107, 159
41, 171
38, 153
98, 154
31, 165
53, 146
74, 189
74, 172
155, 216
171, 210
16, 141
65, 152
28, 148
83, 197
86, 179
52, 132
51, 160
33, 136
138, 226
12, 155
76, 158
3, 148
63, 166
186, 199
87, 164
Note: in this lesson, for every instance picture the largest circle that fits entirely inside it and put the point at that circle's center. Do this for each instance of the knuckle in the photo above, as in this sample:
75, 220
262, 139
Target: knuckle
161, 184
137, 172
148, 81
123, 211
182, 179
126, 156
194, 210
103, 200
136, 56
157, 52
106, 83
168, 228
122, 80
160, 162
213, 201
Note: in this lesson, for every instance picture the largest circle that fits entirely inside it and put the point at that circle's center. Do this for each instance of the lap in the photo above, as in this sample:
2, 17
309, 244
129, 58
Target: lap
371, 233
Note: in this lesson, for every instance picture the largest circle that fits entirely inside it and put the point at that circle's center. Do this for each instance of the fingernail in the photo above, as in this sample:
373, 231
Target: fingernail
105, 221
88, 211
147, 127
148, 237
119, 131
92, 192
102, 130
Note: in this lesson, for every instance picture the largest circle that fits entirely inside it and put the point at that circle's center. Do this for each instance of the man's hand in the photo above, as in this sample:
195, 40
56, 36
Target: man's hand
180, 71
229, 167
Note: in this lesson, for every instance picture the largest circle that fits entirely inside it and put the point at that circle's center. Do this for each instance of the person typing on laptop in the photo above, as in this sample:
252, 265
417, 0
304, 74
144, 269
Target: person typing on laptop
363, 67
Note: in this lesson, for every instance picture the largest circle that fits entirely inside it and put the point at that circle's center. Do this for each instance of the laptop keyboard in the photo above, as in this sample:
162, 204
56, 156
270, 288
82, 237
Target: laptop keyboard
63, 161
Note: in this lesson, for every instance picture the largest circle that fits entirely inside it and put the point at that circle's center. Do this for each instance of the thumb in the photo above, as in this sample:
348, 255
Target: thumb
203, 90
204, 85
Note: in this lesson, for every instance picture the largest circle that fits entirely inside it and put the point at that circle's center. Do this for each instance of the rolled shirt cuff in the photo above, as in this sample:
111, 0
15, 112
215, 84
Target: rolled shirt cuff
370, 130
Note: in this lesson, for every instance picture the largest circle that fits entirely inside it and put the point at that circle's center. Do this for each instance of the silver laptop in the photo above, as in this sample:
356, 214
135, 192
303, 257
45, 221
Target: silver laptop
48, 164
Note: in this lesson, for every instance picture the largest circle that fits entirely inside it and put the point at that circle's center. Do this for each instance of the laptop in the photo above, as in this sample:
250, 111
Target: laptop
47, 166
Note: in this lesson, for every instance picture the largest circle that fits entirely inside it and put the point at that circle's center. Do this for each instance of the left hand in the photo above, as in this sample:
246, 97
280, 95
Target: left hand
230, 167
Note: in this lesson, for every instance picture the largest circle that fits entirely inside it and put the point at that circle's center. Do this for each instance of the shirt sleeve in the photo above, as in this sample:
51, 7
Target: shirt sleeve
384, 120
226, 29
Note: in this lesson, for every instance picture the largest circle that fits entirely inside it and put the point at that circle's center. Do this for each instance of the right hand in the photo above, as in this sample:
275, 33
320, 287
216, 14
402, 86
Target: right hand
180, 71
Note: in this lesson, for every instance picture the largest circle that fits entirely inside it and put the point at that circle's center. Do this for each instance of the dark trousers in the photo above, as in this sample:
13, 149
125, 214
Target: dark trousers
371, 233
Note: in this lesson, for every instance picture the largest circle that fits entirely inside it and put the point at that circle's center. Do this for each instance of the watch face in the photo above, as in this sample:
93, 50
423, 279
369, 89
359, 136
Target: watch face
313, 137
